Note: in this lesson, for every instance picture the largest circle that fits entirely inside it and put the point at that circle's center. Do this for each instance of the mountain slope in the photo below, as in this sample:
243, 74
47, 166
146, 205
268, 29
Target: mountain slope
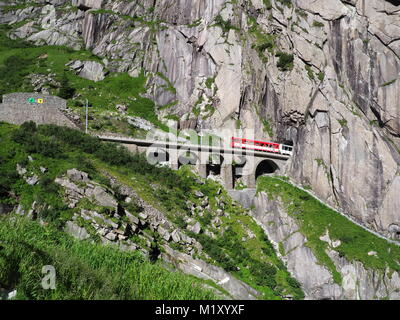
322, 76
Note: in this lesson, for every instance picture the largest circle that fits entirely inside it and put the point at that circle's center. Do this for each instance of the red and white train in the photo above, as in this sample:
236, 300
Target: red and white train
261, 146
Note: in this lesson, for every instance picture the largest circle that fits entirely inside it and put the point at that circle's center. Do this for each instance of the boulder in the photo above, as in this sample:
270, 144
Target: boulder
32, 180
121, 108
196, 228
175, 236
111, 236
76, 175
199, 194
93, 70
21, 170
76, 231
103, 198
164, 233
90, 70
132, 219
140, 123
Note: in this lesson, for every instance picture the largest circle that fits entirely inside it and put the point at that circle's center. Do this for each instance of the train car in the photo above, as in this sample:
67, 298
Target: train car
261, 146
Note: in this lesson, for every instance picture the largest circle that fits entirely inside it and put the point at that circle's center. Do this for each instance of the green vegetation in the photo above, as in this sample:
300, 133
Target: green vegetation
83, 270
388, 83
254, 260
321, 76
301, 13
267, 127
267, 4
18, 59
59, 149
18, 6
287, 3
226, 26
263, 41
318, 24
310, 72
285, 62
195, 23
315, 219
209, 82
343, 122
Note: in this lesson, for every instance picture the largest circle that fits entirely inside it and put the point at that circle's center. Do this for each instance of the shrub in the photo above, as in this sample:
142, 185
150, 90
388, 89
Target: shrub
224, 25
285, 62
66, 91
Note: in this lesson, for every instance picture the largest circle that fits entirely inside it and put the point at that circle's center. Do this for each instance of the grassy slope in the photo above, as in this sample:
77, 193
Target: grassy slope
19, 59
83, 270
60, 149
315, 219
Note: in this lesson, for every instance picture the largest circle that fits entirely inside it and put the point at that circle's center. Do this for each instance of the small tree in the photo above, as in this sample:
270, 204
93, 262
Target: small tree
66, 91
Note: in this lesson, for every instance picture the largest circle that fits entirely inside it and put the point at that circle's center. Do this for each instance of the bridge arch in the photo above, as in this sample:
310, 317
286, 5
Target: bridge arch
157, 156
187, 157
214, 164
266, 166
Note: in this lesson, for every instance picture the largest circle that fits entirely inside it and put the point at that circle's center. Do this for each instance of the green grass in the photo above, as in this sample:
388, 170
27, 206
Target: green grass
287, 3
83, 270
18, 59
315, 219
317, 24
69, 148
267, 4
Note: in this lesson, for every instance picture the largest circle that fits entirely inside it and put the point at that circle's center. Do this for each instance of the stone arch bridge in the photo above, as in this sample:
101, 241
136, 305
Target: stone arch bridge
230, 164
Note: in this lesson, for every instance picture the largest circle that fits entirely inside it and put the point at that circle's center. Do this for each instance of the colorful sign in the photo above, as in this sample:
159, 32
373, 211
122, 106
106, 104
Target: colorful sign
33, 100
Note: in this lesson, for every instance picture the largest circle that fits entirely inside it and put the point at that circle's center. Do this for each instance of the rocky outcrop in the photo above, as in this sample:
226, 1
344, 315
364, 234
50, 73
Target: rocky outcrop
90, 70
316, 280
198, 268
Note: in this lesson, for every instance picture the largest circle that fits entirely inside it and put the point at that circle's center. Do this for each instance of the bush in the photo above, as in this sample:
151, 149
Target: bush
66, 91
285, 62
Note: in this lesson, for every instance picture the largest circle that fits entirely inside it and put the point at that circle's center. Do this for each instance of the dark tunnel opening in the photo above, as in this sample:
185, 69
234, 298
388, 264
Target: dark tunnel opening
266, 167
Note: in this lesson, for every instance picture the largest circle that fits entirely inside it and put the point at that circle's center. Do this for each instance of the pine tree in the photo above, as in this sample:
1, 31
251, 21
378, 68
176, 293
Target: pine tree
66, 91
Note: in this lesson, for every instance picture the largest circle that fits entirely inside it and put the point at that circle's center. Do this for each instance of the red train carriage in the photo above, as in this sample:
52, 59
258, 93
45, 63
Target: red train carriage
261, 146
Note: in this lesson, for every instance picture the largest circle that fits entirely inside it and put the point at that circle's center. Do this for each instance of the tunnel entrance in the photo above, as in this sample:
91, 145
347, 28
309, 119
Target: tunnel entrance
394, 2
266, 167
287, 142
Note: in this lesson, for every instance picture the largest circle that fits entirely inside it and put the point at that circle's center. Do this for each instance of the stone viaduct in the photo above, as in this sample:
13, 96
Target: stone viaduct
223, 161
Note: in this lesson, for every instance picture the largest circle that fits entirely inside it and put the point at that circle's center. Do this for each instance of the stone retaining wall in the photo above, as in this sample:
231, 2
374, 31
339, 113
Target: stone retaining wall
18, 108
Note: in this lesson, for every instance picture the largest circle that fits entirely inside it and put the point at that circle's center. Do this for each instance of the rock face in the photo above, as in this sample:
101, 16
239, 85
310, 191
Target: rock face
316, 280
91, 70
236, 288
